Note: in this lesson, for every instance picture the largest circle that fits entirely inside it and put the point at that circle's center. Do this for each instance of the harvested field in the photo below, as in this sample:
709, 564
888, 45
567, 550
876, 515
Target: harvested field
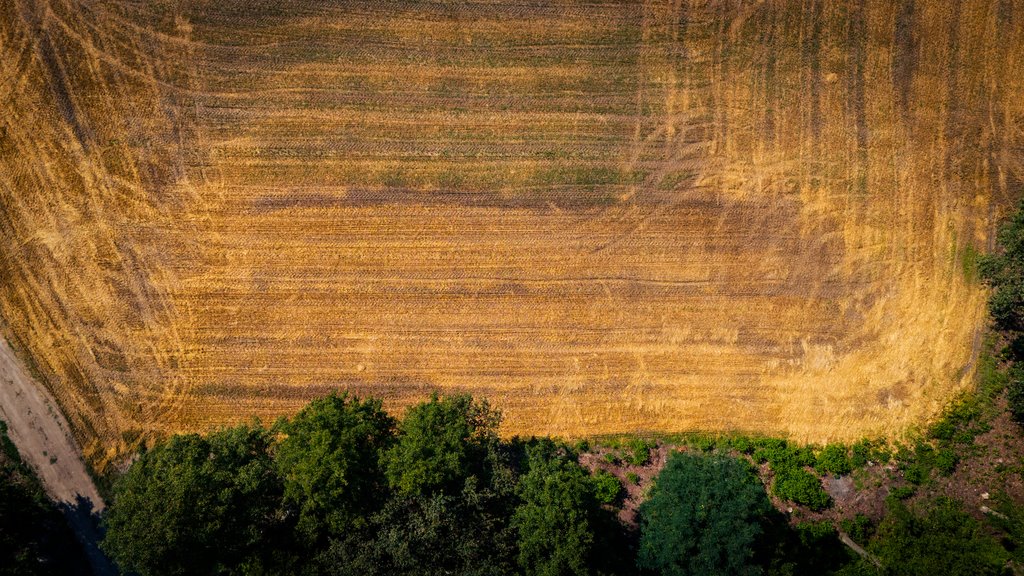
605, 216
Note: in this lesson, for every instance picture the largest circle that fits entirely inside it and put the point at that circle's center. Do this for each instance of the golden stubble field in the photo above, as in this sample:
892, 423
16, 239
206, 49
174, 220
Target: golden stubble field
606, 216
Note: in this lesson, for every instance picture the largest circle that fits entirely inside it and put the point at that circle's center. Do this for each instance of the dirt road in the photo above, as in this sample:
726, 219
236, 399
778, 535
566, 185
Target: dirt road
41, 434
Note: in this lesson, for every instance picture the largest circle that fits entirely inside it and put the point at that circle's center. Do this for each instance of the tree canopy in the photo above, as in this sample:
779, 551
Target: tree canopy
703, 517
556, 518
440, 443
1005, 273
329, 462
195, 505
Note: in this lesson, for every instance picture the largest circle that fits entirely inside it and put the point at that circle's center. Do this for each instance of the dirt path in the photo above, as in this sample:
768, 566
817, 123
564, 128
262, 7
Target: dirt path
42, 436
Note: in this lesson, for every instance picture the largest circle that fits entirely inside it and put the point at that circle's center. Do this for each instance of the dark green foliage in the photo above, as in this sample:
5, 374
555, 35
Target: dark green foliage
556, 518
860, 453
1015, 391
917, 463
800, 486
809, 548
703, 443
704, 516
465, 533
941, 540
459, 526
859, 528
946, 461
780, 454
196, 505
328, 460
741, 444
439, 443
638, 452
1005, 274
34, 539
902, 492
833, 459
607, 487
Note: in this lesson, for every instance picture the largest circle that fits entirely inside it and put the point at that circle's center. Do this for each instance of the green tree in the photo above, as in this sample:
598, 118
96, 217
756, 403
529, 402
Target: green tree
557, 516
464, 534
703, 516
941, 540
454, 491
441, 442
329, 460
1004, 272
195, 505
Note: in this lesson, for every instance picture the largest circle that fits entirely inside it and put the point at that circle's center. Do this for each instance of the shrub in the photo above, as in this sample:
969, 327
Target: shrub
703, 443
1015, 393
779, 454
741, 444
812, 532
611, 458
902, 492
946, 461
833, 459
860, 453
607, 487
941, 540
1003, 272
632, 478
859, 528
638, 452
800, 486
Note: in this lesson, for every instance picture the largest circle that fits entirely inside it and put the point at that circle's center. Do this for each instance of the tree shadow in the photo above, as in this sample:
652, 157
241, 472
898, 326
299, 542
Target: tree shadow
85, 524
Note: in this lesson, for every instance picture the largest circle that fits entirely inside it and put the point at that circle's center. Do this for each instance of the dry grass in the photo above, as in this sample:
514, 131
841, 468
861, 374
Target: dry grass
606, 217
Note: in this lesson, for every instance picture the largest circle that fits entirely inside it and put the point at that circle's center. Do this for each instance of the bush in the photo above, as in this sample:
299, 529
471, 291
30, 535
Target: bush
946, 461
1015, 393
741, 444
607, 487
703, 443
800, 486
632, 478
1005, 274
859, 528
638, 452
860, 453
779, 454
942, 540
902, 492
833, 459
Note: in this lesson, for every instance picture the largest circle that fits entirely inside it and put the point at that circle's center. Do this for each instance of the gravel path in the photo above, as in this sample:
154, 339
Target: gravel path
42, 436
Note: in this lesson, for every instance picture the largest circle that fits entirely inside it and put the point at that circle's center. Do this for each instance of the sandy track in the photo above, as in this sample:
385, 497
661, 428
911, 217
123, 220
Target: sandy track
42, 435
